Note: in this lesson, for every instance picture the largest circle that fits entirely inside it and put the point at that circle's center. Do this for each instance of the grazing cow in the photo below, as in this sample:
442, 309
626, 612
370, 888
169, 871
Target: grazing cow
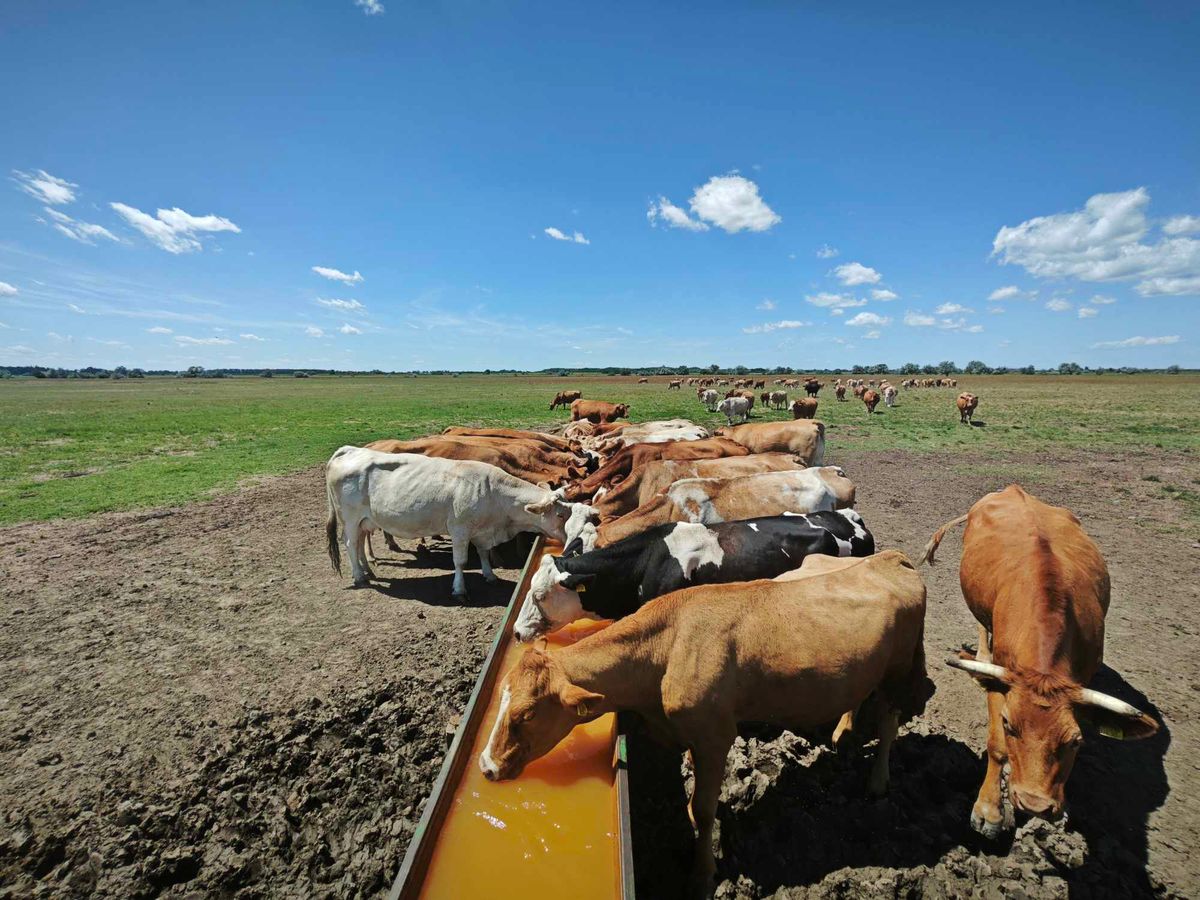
565, 398
710, 500
779, 399
760, 383
859, 390
626, 460
889, 395
735, 408
804, 439
799, 651
645, 481
643, 381
870, 399
413, 496
710, 399
598, 411
675, 385
552, 442
526, 460
966, 407
615, 581
1038, 587
840, 393
765, 399
805, 408
812, 387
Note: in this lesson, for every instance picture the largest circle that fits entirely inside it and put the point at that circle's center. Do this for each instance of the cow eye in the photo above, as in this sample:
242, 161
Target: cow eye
1008, 729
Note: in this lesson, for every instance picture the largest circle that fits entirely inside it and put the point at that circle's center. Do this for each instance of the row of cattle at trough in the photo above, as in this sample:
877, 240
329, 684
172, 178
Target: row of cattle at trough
744, 587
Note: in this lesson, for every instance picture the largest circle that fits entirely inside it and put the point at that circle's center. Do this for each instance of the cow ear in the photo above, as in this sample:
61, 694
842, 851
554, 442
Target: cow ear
577, 582
544, 486
582, 701
539, 508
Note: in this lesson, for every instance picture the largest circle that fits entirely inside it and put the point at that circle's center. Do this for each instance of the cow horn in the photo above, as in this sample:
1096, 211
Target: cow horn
1089, 697
975, 667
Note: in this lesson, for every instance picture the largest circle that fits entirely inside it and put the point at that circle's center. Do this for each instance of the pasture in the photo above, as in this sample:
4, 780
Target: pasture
192, 701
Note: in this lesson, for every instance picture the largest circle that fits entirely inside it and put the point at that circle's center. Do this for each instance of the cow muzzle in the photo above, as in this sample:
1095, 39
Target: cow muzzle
1037, 804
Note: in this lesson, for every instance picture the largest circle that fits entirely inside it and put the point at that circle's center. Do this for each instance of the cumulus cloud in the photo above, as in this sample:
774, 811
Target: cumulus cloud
729, 202
350, 305
45, 187
949, 309
84, 232
349, 329
1088, 312
1138, 342
883, 294
370, 7
337, 275
827, 252
1181, 225
1105, 241
865, 319
1005, 293
775, 326
7, 290
996, 310
159, 329
314, 331
173, 229
576, 238
918, 320
252, 337
871, 335
834, 301
1058, 304
766, 304
201, 342
854, 273
1101, 300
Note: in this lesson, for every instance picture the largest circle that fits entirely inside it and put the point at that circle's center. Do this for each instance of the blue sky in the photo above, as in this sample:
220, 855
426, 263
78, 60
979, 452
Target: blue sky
759, 184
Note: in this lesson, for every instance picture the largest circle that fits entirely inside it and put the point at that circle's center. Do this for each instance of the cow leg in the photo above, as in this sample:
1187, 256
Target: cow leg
391, 542
708, 760
356, 549
991, 814
460, 540
889, 722
843, 731
485, 562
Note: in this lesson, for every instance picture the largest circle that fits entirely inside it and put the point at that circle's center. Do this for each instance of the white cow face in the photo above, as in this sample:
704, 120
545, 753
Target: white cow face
551, 603
581, 524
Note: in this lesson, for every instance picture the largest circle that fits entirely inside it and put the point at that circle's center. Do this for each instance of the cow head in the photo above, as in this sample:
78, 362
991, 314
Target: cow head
842, 488
1041, 718
552, 602
538, 708
555, 516
621, 411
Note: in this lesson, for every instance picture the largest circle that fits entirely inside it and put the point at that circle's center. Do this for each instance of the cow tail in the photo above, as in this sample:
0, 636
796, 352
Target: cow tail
331, 531
936, 540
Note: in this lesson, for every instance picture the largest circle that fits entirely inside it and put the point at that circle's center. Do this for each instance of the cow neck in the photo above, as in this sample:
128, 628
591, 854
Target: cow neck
624, 662
613, 591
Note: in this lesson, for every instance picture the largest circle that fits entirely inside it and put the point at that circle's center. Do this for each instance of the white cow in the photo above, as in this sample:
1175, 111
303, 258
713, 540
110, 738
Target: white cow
409, 495
889, 395
710, 398
735, 408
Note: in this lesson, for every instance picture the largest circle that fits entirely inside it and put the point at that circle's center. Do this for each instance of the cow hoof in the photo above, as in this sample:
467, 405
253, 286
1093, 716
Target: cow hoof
491, 579
362, 583
460, 597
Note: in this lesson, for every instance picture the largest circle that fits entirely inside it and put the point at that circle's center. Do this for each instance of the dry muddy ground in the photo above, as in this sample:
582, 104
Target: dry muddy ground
193, 703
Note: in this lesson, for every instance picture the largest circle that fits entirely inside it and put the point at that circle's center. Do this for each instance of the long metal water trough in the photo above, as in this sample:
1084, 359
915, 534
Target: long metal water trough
559, 830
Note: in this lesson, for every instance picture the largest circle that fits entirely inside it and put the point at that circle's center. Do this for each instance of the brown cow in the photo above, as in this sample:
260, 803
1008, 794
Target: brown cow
760, 383
805, 407
966, 403
840, 393
812, 387
599, 412
799, 651
870, 399
675, 385
1038, 587
765, 399
804, 438
524, 459
742, 392
565, 398
550, 440
625, 460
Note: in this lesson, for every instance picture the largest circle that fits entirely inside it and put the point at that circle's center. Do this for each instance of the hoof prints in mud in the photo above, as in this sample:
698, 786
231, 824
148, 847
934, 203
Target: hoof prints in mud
319, 801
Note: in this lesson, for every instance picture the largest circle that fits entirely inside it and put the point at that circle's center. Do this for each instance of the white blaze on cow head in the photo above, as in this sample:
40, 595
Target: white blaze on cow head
538, 708
1041, 719
580, 528
552, 602
553, 515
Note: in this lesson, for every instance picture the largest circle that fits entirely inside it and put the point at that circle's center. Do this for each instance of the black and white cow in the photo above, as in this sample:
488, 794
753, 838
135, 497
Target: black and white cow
616, 580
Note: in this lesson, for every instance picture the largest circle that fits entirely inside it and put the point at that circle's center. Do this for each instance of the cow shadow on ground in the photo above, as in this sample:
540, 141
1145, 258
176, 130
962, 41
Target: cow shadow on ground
1114, 788
393, 578
977, 423
434, 590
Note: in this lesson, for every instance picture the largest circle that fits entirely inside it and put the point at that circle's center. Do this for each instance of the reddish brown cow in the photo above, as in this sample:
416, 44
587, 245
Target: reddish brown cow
598, 411
966, 407
525, 460
1038, 587
552, 441
840, 392
870, 399
565, 398
804, 408
627, 459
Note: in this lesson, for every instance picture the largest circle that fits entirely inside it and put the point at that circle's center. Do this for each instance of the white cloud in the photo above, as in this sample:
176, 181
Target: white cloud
1181, 225
7, 290
766, 304
1005, 293
55, 336
730, 202
838, 312
107, 343
349, 329
1138, 342
350, 305
996, 310
370, 7
918, 320
201, 342
84, 232
173, 230
775, 326
674, 216
251, 337
77, 309
855, 273
974, 329
834, 301
575, 238
5, 325
1101, 300
864, 319
337, 275
1104, 242
949, 309
884, 294
1058, 304
871, 335
159, 329
827, 252
45, 187
1088, 312
314, 331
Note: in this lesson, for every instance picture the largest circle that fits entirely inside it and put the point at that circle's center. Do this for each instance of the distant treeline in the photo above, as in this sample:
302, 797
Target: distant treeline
946, 367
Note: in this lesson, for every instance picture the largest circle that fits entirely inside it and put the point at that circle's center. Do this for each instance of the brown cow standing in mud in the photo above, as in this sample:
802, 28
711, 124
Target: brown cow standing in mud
1038, 587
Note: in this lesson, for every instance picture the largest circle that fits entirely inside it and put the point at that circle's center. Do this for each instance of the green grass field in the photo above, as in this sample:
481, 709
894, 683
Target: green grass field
73, 448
